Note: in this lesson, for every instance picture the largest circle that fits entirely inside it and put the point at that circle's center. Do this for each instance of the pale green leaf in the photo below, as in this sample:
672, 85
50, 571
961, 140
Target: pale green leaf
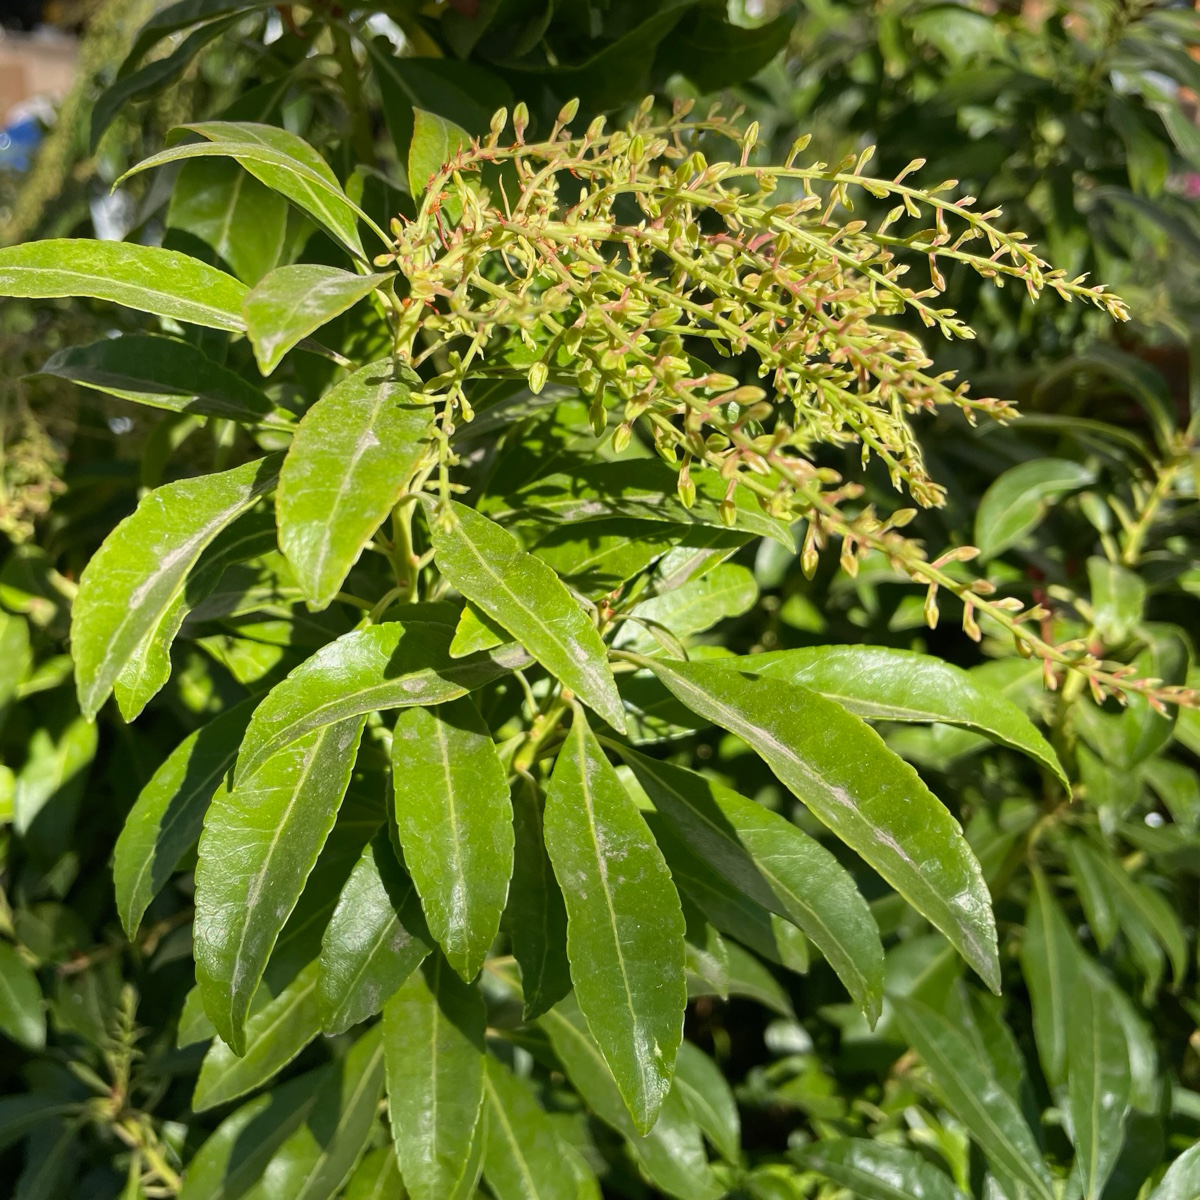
455, 824
435, 141
1118, 598
1182, 1180
624, 922
488, 566
726, 591
1018, 500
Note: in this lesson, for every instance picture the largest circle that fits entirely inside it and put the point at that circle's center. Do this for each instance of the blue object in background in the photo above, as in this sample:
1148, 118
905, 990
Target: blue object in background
18, 141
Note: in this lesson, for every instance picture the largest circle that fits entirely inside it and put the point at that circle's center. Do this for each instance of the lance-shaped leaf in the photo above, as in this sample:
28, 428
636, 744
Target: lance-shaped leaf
260, 841
873, 800
990, 1114
487, 565
135, 576
275, 1034
350, 459
640, 488
1141, 908
708, 1098
149, 666
284, 307
374, 941
393, 665
455, 824
175, 17
161, 372
166, 819
671, 1154
1182, 1180
1098, 1083
22, 1014
525, 1158
536, 916
624, 922
1049, 962
776, 865
317, 1159
433, 1044
435, 141
285, 163
1020, 498
882, 684
876, 1170
147, 278
377, 1177
1093, 889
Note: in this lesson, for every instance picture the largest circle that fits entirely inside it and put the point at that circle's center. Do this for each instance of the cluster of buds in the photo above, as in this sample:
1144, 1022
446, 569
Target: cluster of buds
625, 264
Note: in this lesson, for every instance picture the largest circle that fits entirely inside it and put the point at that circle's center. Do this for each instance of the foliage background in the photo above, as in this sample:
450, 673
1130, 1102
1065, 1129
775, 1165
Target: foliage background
1078, 118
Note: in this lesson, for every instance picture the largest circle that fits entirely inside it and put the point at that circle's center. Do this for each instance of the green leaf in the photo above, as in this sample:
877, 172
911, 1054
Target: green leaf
374, 941
1049, 962
433, 1042
640, 488
175, 17
726, 591
234, 1157
135, 576
260, 841
1098, 1084
873, 800
166, 819
161, 372
284, 307
476, 631
776, 865
287, 164
435, 141
1182, 1180
525, 1158
22, 1113
882, 684
707, 1097
1093, 889
599, 556
317, 1159
1140, 904
147, 278
536, 915
487, 565
1018, 500
876, 1170
671, 1154
352, 456
275, 1033
990, 1114
1118, 599
393, 665
455, 824
22, 1015
377, 1177
242, 222
714, 53
624, 922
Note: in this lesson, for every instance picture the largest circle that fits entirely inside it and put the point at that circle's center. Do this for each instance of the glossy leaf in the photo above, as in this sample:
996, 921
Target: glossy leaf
1093, 889
1049, 962
317, 1159
487, 565
624, 922
726, 591
393, 665
374, 941
1139, 903
976, 1099
882, 684
377, 1177
435, 141
135, 576
872, 800
22, 1015
284, 162
525, 1158
352, 456
433, 1044
283, 308
147, 278
455, 824
261, 839
536, 915
776, 865
671, 1154
275, 1033
160, 372
226, 209
168, 815
1118, 599
476, 631
1182, 1180
1098, 1084
707, 1097
1017, 501
876, 1170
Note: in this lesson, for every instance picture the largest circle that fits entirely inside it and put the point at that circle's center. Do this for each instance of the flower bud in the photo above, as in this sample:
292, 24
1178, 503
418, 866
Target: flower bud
537, 377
